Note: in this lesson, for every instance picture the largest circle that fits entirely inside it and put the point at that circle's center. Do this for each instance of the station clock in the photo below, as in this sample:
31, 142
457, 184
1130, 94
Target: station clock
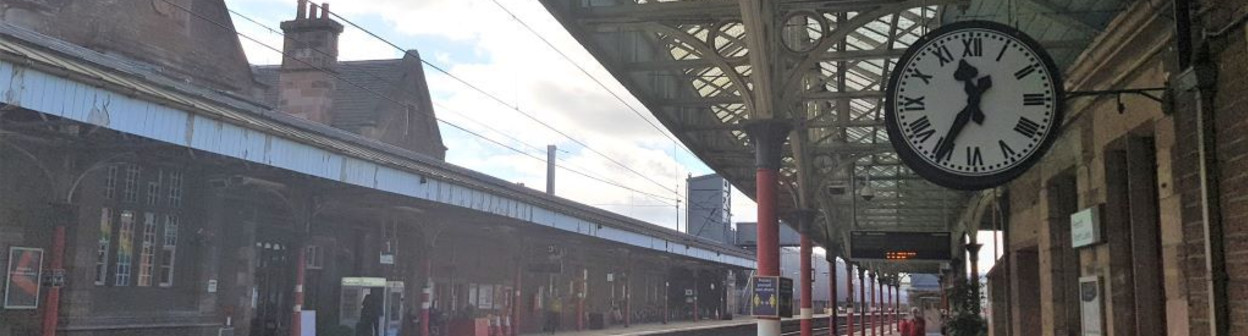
973, 104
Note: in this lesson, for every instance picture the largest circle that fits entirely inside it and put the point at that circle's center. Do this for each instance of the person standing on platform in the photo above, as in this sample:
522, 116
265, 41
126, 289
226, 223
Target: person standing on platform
554, 312
914, 325
370, 311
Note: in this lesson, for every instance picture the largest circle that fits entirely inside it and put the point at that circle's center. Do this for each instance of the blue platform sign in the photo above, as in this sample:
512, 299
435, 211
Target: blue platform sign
765, 302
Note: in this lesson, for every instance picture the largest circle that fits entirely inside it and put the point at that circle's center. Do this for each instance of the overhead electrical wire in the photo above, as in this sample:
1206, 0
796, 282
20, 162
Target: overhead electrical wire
500, 101
392, 100
591, 76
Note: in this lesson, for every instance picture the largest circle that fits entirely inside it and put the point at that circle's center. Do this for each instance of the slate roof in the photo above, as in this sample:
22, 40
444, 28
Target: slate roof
146, 82
356, 101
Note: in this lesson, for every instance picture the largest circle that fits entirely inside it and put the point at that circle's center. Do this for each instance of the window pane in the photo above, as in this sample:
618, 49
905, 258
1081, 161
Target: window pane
131, 192
110, 183
101, 249
153, 188
125, 248
148, 251
168, 251
175, 189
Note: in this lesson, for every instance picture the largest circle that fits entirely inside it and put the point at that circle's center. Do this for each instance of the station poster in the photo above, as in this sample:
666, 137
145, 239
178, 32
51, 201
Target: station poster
21, 289
765, 301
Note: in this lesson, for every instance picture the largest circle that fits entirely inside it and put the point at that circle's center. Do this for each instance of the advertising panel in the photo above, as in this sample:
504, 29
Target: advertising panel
21, 289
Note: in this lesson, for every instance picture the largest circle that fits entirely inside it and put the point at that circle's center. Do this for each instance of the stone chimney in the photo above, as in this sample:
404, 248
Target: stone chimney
306, 82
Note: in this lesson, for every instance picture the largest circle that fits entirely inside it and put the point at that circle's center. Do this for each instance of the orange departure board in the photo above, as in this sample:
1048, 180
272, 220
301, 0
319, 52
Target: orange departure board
900, 246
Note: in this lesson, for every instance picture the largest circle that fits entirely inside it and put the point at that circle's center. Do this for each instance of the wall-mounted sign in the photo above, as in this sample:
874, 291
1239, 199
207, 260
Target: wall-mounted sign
973, 104
1090, 306
21, 290
900, 246
387, 258
1085, 227
772, 297
212, 286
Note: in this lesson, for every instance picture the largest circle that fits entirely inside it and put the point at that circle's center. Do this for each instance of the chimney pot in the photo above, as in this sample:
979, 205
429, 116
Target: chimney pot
312, 11
324, 10
302, 10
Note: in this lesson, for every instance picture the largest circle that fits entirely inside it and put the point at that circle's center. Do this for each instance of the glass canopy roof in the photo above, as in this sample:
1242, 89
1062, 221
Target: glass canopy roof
691, 64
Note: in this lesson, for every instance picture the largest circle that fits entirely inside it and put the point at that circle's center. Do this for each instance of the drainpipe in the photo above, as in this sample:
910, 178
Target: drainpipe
1198, 77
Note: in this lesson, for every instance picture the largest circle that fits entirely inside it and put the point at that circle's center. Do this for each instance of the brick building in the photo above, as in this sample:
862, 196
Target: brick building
182, 191
1139, 162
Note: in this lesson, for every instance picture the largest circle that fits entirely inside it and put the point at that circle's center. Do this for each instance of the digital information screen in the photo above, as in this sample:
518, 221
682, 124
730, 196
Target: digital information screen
900, 246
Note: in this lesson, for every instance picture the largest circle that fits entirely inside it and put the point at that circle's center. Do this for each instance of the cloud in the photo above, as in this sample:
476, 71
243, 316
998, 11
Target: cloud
481, 44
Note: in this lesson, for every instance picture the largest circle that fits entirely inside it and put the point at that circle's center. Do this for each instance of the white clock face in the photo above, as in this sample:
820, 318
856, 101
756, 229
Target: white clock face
973, 102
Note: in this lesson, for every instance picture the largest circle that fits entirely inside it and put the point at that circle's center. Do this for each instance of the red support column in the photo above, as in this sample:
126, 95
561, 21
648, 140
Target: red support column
667, 288
696, 290
873, 315
888, 305
628, 297
295, 316
768, 138
516, 301
862, 301
849, 298
884, 311
426, 296
53, 310
804, 277
831, 294
580, 300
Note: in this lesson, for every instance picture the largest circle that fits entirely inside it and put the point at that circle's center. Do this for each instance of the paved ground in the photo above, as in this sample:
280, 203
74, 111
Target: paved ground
690, 327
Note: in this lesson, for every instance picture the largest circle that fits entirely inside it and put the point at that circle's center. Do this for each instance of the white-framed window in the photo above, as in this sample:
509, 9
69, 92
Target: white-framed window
312, 257
125, 248
102, 246
153, 188
147, 249
110, 182
168, 251
130, 193
175, 188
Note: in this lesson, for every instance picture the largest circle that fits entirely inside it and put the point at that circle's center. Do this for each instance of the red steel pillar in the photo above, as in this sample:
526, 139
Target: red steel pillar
667, 287
849, 298
52, 312
696, 290
628, 297
879, 285
580, 300
768, 137
426, 296
295, 316
862, 300
831, 294
874, 315
516, 300
806, 280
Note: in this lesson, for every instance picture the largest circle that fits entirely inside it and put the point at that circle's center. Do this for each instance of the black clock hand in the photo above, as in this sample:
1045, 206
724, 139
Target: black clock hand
966, 73
982, 85
959, 122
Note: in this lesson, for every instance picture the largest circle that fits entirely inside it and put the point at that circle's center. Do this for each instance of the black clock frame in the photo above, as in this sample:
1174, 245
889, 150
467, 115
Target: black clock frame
939, 176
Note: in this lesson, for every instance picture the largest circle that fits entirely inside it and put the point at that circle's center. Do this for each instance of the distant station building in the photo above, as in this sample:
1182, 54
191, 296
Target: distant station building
153, 182
709, 207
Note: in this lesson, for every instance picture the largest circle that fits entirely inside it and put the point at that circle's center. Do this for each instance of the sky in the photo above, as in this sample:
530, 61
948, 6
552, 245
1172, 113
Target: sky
480, 43
485, 46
